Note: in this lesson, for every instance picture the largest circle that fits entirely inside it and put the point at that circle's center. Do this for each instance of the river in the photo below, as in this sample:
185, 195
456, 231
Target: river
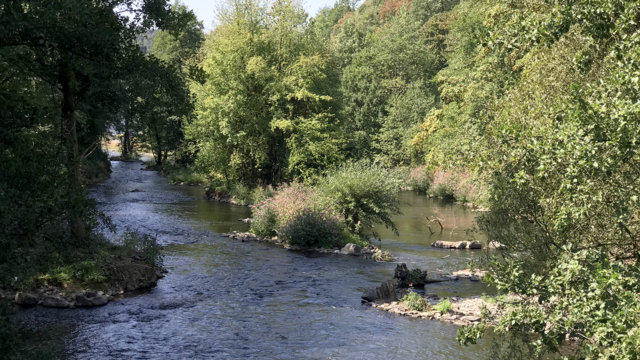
232, 300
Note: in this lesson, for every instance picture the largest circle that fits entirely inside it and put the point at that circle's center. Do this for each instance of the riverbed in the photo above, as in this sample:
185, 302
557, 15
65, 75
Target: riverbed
232, 300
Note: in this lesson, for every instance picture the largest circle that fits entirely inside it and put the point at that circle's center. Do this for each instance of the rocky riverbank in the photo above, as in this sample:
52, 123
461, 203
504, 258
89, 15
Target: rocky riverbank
126, 274
369, 252
463, 311
391, 296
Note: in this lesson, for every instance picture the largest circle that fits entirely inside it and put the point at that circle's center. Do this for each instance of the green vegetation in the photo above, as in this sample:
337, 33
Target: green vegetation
415, 302
69, 71
443, 306
342, 208
527, 107
364, 195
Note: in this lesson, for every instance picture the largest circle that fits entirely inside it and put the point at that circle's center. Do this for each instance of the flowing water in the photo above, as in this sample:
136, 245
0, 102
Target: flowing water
227, 299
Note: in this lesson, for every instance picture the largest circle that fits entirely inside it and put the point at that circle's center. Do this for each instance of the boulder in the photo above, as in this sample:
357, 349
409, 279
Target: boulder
471, 318
91, 298
351, 249
386, 292
474, 245
450, 244
25, 299
55, 302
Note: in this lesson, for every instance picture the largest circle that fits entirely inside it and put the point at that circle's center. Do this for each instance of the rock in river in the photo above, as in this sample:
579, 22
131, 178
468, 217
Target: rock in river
91, 298
351, 249
55, 302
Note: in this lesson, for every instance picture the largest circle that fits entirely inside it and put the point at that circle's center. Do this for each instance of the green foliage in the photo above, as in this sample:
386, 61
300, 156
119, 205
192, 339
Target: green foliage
587, 297
82, 272
443, 307
264, 222
178, 47
312, 229
183, 175
415, 302
364, 195
263, 110
146, 245
386, 83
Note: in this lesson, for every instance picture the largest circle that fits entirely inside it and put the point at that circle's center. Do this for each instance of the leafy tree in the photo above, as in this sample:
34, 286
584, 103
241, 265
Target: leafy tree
265, 96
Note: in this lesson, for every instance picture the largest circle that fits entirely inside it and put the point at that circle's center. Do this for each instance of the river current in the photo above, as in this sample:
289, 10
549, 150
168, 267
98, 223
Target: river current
223, 299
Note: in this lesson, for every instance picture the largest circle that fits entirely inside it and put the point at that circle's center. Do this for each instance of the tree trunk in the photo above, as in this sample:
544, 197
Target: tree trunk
72, 160
126, 141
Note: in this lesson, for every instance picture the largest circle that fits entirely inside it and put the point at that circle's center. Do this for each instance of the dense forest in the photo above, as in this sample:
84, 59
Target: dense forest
528, 108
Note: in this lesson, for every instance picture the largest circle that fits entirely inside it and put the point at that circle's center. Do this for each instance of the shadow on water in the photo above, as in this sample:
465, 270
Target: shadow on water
226, 299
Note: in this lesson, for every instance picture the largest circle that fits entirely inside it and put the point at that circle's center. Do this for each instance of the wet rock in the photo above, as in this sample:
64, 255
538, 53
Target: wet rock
473, 275
386, 292
136, 190
472, 245
91, 298
55, 302
450, 244
471, 318
414, 277
25, 299
351, 249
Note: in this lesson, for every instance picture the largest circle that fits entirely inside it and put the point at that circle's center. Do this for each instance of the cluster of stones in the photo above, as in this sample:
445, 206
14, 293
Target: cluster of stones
128, 274
471, 245
53, 299
465, 311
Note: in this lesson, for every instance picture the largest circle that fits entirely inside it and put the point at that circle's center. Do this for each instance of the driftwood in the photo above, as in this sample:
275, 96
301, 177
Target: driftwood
434, 219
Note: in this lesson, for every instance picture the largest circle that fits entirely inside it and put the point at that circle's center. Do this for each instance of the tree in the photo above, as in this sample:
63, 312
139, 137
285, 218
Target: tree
264, 112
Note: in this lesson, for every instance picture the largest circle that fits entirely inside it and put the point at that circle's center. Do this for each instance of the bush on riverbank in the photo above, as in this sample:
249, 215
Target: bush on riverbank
419, 179
298, 215
364, 195
183, 175
344, 207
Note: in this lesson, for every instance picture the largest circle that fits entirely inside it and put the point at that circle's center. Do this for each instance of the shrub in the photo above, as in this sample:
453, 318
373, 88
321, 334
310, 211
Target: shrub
147, 245
264, 221
415, 302
311, 228
299, 216
261, 193
444, 184
443, 306
364, 194
419, 179
241, 194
